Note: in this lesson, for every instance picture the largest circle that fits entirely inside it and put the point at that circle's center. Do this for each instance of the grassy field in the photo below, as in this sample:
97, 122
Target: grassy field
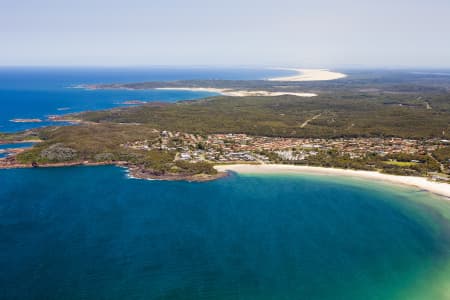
401, 163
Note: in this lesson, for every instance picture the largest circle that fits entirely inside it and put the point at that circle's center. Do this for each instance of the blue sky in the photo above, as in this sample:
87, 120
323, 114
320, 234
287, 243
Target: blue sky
320, 33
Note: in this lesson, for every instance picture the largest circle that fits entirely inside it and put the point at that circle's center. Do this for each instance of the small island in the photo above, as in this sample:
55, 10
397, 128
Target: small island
35, 120
367, 121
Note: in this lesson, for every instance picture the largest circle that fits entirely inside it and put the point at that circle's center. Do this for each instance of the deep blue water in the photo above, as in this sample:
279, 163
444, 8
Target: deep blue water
16, 145
38, 92
91, 233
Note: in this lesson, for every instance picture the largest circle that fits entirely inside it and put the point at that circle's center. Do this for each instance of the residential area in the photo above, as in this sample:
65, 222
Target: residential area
231, 148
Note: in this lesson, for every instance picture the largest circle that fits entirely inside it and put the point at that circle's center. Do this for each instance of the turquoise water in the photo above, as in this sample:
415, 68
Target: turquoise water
28, 93
91, 233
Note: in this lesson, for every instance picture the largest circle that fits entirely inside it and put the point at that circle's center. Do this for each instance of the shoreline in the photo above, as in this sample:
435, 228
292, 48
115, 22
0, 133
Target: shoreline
310, 75
136, 172
422, 183
302, 75
6, 142
237, 93
133, 171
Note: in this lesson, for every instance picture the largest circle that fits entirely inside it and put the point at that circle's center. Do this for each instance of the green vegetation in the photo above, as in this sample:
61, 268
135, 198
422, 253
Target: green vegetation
443, 156
87, 142
162, 162
341, 115
159, 161
400, 163
195, 168
19, 136
375, 82
102, 143
58, 152
421, 166
365, 104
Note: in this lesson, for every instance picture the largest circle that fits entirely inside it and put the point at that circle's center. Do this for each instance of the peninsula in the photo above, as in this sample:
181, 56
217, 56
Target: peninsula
360, 123
311, 75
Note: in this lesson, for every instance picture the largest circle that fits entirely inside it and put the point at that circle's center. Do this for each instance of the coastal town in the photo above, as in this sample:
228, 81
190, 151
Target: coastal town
224, 150
232, 148
390, 154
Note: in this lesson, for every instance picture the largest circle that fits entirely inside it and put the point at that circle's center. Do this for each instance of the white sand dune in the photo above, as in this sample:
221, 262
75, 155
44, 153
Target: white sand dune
239, 93
310, 75
303, 75
442, 189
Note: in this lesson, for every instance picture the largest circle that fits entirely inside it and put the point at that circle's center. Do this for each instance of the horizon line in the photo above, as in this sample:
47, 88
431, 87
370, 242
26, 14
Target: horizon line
228, 66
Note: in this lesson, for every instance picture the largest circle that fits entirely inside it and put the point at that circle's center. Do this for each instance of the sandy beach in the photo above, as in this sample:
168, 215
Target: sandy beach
441, 189
310, 75
239, 93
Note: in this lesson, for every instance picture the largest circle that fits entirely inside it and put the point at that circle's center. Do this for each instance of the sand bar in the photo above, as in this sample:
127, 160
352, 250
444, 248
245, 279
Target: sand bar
310, 75
239, 93
441, 189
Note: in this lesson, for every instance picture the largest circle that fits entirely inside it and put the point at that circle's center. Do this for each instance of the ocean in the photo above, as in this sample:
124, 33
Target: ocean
93, 233
36, 93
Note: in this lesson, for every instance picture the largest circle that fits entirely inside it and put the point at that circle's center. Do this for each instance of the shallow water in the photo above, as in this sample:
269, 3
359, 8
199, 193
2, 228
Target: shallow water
91, 233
